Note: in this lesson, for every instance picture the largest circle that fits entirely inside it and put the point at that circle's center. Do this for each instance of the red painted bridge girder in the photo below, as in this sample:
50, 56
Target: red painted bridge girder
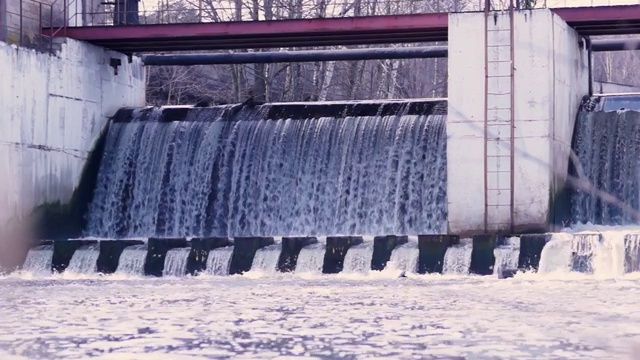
603, 20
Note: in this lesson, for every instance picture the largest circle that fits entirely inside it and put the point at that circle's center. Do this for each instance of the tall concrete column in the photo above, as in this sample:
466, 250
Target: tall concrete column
550, 78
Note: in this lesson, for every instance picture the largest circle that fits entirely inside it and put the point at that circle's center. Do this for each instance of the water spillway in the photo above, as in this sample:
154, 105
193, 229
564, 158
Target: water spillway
271, 171
607, 145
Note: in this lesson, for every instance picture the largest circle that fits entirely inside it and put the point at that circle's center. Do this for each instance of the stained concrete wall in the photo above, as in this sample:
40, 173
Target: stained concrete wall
601, 87
551, 76
52, 110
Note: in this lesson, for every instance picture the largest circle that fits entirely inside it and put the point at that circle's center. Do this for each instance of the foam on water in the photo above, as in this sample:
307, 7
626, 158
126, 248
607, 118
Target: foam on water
266, 259
39, 260
311, 259
132, 260
84, 260
175, 264
457, 259
358, 259
219, 261
405, 257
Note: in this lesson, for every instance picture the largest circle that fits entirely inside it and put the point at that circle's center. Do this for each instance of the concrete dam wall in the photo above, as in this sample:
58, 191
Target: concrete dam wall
54, 108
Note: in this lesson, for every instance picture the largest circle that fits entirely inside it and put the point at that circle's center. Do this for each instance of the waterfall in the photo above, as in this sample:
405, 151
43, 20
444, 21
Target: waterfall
607, 145
507, 256
405, 257
632, 251
311, 259
39, 260
175, 264
601, 254
84, 260
132, 260
457, 259
266, 259
235, 177
219, 261
358, 259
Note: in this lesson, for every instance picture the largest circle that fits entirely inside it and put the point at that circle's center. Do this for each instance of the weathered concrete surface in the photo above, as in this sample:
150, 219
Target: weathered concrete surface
52, 111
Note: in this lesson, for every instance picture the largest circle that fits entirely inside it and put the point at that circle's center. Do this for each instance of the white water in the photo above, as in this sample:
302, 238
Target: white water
132, 260
84, 260
175, 264
405, 258
602, 254
632, 248
266, 259
219, 261
311, 259
358, 259
507, 256
457, 259
39, 260
382, 175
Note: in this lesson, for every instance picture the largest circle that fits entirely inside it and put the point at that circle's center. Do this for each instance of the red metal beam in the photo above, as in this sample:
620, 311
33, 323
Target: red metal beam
576, 15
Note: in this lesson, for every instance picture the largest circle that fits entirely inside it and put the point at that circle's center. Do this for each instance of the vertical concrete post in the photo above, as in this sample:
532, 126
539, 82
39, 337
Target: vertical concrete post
244, 250
432, 251
383, 247
157, 252
291, 247
110, 251
337, 247
199, 254
550, 78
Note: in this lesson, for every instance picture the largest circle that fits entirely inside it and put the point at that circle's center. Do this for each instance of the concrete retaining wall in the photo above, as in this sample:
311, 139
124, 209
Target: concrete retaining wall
53, 110
551, 76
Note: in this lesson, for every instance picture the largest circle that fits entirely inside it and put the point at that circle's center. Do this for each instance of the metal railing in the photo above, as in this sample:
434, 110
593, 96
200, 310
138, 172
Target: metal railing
23, 26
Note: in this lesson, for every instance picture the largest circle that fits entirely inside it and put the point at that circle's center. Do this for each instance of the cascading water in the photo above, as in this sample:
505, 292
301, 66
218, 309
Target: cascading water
219, 261
632, 251
132, 260
84, 260
235, 177
457, 259
311, 259
175, 264
266, 259
507, 256
39, 260
602, 254
405, 257
607, 145
358, 259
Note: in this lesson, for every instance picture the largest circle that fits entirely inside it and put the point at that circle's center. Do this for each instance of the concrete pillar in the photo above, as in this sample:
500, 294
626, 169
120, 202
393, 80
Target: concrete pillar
157, 252
530, 250
482, 258
383, 247
244, 250
200, 248
550, 78
110, 251
63, 251
337, 247
432, 251
291, 247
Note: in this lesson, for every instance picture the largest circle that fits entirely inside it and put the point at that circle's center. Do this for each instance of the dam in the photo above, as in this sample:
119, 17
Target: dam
499, 219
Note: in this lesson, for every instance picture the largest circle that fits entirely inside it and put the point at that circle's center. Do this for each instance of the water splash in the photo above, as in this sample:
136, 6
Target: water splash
405, 257
39, 260
84, 260
358, 259
219, 261
457, 259
507, 256
266, 259
132, 260
311, 259
352, 175
175, 264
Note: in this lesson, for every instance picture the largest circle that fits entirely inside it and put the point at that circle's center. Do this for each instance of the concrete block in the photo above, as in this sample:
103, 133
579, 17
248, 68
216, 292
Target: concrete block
530, 250
291, 247
337, 247
244, 250
482, 257
200, 248
383, 247
157, 252
432, 250
63, 251
110, 251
